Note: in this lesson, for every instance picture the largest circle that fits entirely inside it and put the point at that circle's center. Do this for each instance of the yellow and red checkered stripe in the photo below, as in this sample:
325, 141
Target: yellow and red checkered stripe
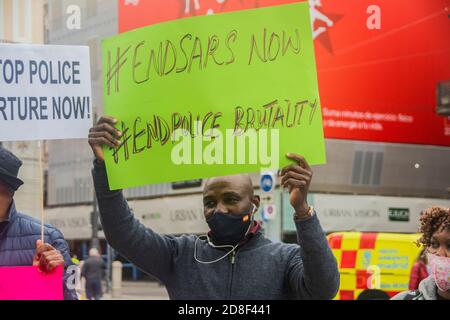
346, 249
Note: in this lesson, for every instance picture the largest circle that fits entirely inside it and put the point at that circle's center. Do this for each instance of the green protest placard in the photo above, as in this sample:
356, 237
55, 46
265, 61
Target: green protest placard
212, 95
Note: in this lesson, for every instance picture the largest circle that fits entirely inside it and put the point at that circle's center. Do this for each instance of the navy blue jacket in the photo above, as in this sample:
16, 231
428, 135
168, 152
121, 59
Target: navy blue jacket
18, 236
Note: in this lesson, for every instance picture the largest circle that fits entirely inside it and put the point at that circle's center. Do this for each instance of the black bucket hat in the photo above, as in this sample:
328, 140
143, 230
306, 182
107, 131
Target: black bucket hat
9, 169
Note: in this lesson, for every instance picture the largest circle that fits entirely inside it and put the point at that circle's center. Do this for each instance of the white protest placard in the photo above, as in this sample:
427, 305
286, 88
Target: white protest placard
45, 92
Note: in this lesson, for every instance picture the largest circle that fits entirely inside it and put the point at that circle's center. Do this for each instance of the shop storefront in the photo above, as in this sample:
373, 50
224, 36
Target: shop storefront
361, 213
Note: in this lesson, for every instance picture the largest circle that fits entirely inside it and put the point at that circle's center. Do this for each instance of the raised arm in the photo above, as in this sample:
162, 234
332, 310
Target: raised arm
312, 272
151, 252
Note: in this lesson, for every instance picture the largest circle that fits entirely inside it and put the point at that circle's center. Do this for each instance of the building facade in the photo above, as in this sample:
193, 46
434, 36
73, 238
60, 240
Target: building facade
368, 180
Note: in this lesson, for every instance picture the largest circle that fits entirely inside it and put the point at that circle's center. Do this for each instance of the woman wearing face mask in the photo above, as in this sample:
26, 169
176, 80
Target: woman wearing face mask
435, 229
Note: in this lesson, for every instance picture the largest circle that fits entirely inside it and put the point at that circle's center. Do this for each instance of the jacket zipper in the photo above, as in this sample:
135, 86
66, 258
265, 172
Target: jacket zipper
233, 260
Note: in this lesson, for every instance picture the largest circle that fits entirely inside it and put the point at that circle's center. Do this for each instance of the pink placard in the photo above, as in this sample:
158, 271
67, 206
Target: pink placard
27, 283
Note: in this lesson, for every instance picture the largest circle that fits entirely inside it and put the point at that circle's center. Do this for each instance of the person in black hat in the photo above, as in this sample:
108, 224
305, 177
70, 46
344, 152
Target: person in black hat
20, 234
9, 169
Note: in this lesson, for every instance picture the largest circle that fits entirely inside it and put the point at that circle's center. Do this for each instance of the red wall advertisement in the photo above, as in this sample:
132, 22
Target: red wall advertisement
378, 62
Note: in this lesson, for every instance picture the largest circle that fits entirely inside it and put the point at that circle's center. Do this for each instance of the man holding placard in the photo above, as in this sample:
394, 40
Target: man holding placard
212, 81
20, 235
234, 261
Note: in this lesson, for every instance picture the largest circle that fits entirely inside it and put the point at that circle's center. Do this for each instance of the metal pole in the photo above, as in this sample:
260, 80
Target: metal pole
95, 243
109, 258
95, 215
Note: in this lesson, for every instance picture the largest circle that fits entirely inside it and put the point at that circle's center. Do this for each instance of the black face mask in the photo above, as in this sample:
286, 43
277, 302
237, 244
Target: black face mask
227, 229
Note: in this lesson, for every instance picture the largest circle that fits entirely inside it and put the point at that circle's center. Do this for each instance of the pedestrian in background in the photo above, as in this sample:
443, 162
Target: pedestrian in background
74, 259
93, 271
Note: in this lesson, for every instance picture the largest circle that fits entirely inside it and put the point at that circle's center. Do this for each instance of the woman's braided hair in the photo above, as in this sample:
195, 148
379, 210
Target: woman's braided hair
433, 219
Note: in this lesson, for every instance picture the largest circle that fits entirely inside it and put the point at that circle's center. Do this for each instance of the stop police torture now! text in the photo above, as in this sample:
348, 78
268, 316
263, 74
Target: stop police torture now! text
16, 72
46, 72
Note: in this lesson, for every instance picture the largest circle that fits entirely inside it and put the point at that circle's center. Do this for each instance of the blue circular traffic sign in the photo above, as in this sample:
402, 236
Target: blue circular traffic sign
266, 182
